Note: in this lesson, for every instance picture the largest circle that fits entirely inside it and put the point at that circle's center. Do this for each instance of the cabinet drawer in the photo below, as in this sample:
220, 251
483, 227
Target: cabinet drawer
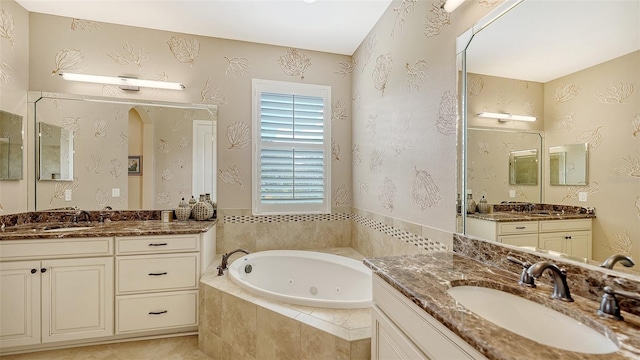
158, 272
55, 248
530, 240
156, 311
520, 227
565, 225
157, 244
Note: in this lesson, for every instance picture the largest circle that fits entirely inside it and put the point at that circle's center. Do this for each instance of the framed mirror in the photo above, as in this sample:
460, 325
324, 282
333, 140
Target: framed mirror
523, 167
576, 86
173, 146
55, 153
569, 164
11, 146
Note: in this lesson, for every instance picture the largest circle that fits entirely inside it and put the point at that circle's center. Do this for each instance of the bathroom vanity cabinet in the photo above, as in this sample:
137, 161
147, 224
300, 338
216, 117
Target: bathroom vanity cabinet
402, 330
61, 292
568, 236
157, 281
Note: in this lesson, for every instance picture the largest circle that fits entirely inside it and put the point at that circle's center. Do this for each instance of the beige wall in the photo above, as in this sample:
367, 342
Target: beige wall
214, 71
14, 84
404, 117
605, 113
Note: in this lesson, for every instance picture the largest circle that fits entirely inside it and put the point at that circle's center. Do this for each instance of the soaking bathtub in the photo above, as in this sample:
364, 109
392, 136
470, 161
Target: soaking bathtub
304, 278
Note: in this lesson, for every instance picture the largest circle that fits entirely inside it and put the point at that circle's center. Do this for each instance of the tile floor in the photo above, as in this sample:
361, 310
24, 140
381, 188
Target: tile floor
177, 348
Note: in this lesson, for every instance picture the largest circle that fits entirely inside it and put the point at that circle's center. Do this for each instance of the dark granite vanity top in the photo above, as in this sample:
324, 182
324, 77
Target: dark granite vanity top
425, 278
59, 230
527, 216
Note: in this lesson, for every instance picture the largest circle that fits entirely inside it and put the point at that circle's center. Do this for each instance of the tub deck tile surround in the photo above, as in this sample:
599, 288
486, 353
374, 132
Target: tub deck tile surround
425, 278
281, 331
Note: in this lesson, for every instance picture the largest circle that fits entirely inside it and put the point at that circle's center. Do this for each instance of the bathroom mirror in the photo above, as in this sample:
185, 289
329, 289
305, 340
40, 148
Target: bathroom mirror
55, 153
568, 164
11, 147
578, 76
175, 143
523, 167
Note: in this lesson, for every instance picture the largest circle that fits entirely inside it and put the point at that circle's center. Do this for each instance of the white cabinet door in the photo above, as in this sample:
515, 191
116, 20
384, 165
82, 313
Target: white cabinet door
388, 342
579, 244
19, 303
552, 241
77, 299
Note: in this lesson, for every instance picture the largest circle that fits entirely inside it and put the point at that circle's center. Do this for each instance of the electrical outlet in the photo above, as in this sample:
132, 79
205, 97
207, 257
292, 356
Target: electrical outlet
115, 192
512, 193
67, 195
582, 196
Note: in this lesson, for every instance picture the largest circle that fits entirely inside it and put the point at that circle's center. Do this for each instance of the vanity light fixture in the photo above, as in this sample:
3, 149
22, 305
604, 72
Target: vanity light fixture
450, 5
503, 117
124, 82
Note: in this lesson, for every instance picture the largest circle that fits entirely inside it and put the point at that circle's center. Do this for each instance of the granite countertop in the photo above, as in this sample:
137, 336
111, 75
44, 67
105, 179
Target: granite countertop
527, 216
104, 229
425, 278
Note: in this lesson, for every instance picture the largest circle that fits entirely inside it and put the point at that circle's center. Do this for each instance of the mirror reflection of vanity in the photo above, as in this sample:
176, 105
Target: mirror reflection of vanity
11, 147
586, 110
173, 143
523, 167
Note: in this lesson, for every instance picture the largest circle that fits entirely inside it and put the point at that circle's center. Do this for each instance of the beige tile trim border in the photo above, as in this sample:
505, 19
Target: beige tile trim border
250, 219
413, 239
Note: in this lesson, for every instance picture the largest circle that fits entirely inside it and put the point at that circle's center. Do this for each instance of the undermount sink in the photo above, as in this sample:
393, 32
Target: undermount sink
66, 228
532, 320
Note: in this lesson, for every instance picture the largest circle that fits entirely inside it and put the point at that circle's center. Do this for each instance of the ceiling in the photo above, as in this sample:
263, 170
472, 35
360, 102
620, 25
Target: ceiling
543, 40
335, 26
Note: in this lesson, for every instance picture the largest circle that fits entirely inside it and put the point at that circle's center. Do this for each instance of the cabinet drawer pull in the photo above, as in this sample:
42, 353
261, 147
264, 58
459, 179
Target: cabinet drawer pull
157, 274
157, 312
158, 244
520, 227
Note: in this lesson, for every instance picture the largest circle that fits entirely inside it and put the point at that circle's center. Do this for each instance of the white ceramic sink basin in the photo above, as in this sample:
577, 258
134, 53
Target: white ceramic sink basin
532, 320
66, 229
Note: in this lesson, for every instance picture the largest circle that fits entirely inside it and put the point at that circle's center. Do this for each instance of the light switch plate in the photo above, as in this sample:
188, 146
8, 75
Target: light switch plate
67, 195
512, 193
582, 196
115, 192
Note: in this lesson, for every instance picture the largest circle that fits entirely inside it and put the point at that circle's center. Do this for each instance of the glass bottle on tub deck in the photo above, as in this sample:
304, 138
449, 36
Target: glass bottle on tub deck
202, 210
471, 204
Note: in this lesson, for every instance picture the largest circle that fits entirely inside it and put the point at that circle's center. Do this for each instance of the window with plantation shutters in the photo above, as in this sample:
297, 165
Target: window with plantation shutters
291, 148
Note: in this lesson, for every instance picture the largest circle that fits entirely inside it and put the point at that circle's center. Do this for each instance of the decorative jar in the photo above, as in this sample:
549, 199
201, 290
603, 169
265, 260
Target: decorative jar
183, 211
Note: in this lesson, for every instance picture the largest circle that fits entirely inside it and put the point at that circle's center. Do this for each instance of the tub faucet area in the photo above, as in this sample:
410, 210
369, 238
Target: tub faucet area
225, 259
613, 259
560, 287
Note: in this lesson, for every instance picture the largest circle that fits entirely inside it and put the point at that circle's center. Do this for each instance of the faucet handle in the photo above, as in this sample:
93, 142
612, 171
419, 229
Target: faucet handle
525, 278
609, 306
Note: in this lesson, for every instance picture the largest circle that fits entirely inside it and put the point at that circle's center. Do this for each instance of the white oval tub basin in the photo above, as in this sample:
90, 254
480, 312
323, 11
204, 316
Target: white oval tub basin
532, 320
304, 278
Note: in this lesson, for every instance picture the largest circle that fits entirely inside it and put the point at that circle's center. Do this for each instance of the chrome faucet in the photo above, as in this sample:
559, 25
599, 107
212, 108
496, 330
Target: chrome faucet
609, 306
225, 258
560, 287
613, 259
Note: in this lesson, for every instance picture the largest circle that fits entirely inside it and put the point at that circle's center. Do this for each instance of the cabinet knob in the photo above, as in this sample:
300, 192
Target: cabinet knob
33, 271
43, 270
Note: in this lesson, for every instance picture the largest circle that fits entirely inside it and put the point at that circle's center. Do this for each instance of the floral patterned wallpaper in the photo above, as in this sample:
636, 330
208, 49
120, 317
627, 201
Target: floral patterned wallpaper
404, 112
214, 71
14, 84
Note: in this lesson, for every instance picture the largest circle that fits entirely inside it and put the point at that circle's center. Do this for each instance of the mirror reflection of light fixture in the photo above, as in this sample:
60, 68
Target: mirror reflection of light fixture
122, 81
503, 117
451, 5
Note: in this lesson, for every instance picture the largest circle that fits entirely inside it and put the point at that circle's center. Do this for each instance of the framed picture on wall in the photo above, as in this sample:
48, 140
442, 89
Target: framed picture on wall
134, 165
